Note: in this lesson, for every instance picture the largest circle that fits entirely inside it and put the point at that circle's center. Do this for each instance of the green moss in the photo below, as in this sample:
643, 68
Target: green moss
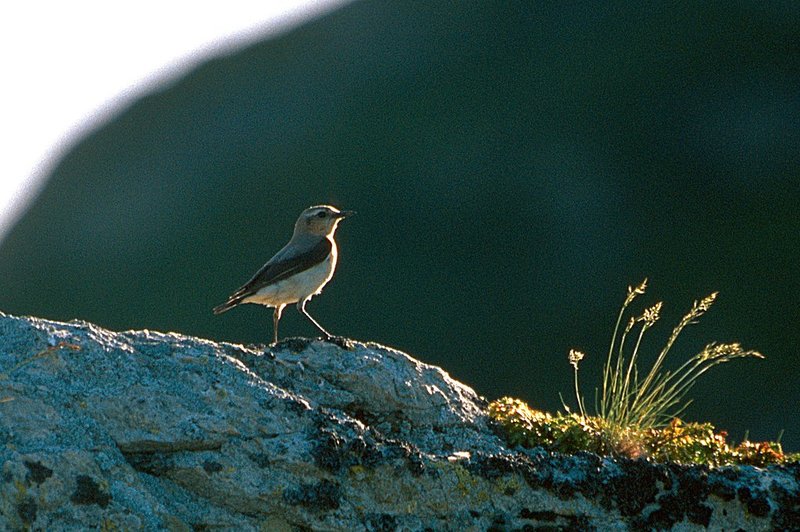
792, 457
527, 427
689, 443
761, 453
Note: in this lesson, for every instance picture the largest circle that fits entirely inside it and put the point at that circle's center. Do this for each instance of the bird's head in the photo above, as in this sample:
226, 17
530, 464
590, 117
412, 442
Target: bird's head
320, 220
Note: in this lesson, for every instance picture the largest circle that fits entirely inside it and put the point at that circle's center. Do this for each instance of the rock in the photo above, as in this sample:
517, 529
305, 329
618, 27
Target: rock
142, 430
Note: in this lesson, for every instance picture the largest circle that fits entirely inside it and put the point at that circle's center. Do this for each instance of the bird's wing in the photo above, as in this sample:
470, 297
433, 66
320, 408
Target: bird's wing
281, 266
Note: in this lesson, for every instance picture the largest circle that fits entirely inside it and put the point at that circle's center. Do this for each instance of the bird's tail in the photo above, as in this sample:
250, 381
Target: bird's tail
229, 304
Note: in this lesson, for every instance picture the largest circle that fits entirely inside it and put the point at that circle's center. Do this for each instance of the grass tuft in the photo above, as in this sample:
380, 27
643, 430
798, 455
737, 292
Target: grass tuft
626, 400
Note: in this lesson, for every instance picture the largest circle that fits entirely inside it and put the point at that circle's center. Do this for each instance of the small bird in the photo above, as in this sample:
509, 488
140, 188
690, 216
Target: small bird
297, 272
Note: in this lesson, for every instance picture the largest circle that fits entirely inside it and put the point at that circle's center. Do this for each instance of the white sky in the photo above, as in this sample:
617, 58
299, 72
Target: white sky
67, 66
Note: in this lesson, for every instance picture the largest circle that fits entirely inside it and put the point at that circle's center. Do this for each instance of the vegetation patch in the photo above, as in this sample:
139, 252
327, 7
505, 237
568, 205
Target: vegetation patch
678, 441
636, 411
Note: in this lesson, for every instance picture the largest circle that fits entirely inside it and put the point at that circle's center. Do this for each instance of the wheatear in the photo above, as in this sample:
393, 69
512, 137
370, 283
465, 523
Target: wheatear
297, 272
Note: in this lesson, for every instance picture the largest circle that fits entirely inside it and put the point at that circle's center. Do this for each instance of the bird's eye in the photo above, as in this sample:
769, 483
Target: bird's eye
321, 214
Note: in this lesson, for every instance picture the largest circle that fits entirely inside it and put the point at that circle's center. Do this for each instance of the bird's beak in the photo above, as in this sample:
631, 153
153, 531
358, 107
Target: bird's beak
345, 214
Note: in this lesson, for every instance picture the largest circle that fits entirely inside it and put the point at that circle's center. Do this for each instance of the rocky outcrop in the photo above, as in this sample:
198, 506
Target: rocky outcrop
142, 430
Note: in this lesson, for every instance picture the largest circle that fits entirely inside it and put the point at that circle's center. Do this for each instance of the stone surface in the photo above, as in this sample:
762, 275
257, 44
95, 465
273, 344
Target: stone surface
142, 430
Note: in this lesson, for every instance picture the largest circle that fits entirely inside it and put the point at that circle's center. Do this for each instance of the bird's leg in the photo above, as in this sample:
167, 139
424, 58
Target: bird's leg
276, 317
301, 307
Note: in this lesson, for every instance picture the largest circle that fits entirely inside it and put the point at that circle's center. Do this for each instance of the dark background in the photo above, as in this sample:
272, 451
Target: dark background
514, 167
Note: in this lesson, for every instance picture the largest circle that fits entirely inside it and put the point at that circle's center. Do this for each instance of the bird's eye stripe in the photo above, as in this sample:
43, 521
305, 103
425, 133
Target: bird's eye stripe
321, 214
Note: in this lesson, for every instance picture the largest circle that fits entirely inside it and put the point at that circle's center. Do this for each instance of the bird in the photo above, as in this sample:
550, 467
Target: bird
299, 271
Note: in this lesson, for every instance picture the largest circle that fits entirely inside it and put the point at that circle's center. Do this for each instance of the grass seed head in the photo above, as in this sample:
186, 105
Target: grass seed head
651, 315
575, 357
